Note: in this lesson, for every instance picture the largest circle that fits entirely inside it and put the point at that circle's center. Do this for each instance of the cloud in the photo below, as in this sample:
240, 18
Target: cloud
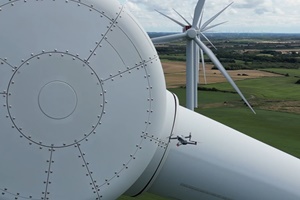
248, 4
261, 11
151, 5
243, 15
258, 7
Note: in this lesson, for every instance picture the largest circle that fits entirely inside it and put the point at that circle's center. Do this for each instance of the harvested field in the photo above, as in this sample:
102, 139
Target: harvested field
175, 74
283, 106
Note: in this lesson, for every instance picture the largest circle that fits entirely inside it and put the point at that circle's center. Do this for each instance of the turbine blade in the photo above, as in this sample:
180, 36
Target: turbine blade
214, 17
203, 65
209, 41
174, 20
197, 12
183, 18
168, 38
192, 17
212, 26
200, 21
217, 63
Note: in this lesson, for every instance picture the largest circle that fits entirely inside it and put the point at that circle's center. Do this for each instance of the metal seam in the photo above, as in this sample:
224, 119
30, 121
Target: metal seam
113, 23
48, 173
4, 61
127, 70
88, 170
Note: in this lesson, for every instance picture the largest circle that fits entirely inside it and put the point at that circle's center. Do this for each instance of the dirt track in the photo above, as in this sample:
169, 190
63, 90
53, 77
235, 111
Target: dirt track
175, 74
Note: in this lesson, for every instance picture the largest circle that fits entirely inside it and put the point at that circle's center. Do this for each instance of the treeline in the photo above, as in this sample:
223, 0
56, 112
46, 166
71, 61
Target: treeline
233, 59
259, 65
272, 56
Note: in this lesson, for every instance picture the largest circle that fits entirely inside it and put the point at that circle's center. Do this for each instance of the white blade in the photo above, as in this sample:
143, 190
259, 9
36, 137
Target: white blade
212, 26
200, 21
174, 20
208, 41
214, 17
217, 63
168, 38
183, 18
203, 65
197, 13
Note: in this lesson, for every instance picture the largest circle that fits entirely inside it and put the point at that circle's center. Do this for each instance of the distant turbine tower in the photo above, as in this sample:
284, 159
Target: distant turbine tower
192, 33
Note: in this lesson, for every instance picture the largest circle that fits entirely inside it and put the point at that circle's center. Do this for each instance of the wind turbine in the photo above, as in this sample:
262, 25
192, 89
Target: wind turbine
90, 117
203, 28
191, 35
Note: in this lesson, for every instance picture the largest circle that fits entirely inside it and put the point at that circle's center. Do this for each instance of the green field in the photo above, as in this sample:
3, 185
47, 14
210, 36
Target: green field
290, 72
276, 128
279, 88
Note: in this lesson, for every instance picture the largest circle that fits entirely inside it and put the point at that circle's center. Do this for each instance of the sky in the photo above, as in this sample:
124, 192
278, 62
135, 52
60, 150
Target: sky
251, 16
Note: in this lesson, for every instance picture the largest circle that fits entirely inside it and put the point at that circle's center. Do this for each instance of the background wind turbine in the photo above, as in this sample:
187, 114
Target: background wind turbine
196, 30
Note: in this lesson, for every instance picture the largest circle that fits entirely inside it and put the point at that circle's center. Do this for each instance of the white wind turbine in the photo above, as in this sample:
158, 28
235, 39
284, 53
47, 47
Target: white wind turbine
203, 28
61, 98
192, 34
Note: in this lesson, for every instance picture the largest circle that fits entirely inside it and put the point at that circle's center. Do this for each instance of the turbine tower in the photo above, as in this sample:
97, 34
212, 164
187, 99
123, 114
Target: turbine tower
191, 35
85, 114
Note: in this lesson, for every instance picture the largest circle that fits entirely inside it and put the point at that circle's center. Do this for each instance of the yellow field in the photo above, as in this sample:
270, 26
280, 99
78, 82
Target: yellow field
175, 74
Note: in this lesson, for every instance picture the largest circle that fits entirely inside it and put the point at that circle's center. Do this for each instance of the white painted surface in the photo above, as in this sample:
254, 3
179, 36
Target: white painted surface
82, 96
225, 164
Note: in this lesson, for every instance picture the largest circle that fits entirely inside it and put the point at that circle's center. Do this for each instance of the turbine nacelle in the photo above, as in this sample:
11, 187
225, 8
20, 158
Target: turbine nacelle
185, 28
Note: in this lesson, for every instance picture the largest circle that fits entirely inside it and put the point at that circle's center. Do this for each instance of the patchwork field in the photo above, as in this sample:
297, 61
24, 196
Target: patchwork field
269, 89
175, 74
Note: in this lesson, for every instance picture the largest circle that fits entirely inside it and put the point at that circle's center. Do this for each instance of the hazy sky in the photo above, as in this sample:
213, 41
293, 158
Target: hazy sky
275, 16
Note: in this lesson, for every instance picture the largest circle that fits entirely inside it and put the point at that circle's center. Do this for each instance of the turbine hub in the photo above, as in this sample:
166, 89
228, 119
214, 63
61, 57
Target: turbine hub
192, 33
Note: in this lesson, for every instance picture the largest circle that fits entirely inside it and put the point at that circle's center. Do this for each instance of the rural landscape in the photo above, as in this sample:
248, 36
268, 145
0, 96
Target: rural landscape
266, 67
